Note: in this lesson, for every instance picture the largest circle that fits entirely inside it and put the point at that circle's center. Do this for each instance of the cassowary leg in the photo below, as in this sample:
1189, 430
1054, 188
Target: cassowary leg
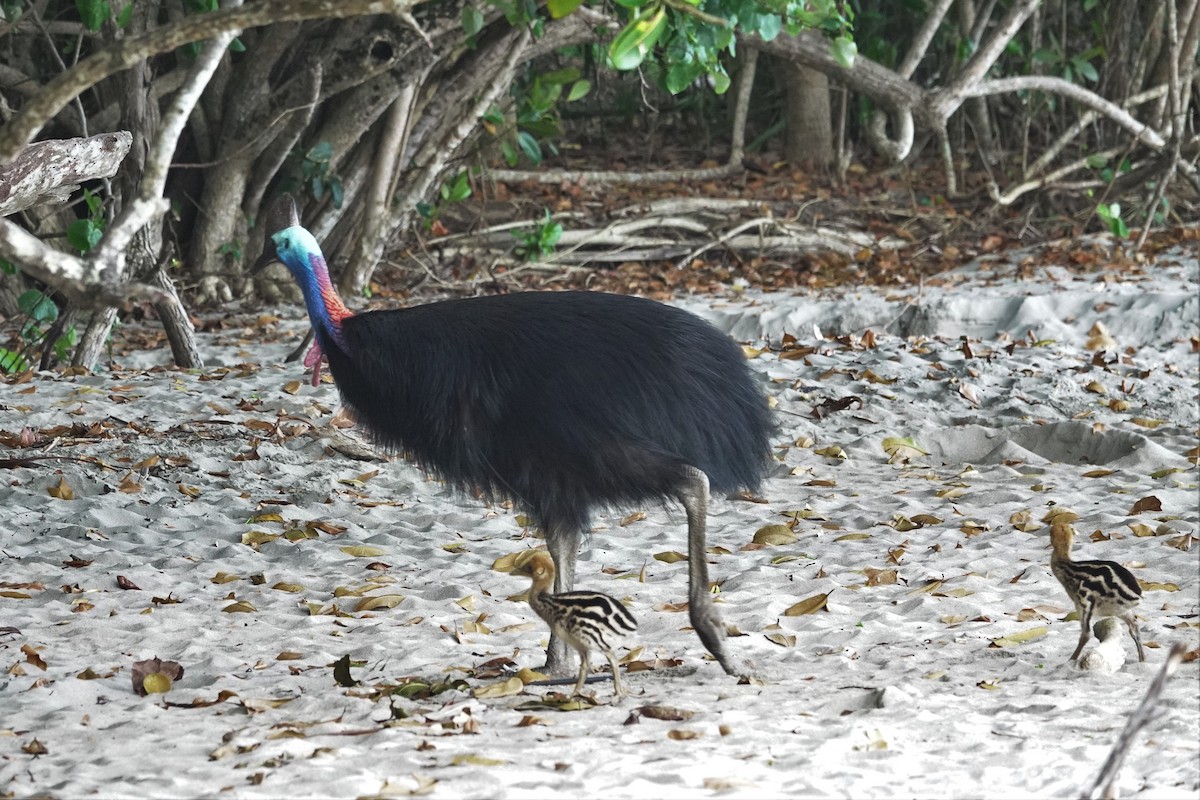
1133, 631
693, 495
1085, 622
563, 543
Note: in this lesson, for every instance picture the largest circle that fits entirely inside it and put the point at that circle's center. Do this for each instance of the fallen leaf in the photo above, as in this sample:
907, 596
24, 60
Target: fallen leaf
1148, 503
810, 605
1021, 637
62, 491
774, 535
902, 448
670, 556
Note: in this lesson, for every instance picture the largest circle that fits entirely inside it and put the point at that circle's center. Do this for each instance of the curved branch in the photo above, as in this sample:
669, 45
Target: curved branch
1049, 83
134, 49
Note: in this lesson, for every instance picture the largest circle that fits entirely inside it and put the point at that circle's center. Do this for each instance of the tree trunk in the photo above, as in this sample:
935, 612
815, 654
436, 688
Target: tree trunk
809, 120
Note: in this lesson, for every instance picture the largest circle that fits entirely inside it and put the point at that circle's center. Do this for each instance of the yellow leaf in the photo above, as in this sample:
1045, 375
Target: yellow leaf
1151, 586
850, 537
670, 556
781, 639
810, 605
189, 491
681, 735
1059, 514
240, 607
289, 655
506, 688
773, 535
467, 603
62, 491
1098, 473
156, 683
1020, 637
636, 516
951, 493
477, 761
363, 551
902, 448
1023, 521
255, 538
224, 577
880, 577
292, 387
832, 451
954, 619
1146, 422
379, 601
1095, 387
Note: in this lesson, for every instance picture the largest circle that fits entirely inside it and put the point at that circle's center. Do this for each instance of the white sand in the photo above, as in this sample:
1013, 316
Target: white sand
895, 690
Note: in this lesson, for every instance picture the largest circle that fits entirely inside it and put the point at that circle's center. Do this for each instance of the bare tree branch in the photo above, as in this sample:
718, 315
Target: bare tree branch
129, 51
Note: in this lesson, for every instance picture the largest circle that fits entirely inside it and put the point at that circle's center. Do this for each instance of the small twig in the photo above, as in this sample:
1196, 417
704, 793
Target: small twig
1104, 787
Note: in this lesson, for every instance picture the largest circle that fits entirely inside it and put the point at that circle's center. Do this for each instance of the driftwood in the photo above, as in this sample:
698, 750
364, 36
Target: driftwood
49, 171
680, 229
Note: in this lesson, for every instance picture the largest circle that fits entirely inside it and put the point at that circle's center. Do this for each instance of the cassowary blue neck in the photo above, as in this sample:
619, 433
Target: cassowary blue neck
325, 308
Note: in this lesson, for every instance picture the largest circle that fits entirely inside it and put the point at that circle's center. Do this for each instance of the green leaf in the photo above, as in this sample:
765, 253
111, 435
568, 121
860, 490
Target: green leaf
37, 306
579, 90
12, 362
237, 46
769, 26
125, 16
83, 234
560, 76
321, 152
64, 343
530, 147
472, 20
560, 8
93, 13
1086, 69
638, 38
845, 51
680, 75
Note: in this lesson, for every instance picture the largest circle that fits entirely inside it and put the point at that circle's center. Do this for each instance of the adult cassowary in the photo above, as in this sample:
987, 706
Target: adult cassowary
563, 401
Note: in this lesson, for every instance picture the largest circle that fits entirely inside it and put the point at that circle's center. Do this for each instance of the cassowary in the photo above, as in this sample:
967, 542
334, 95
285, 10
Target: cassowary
563, 401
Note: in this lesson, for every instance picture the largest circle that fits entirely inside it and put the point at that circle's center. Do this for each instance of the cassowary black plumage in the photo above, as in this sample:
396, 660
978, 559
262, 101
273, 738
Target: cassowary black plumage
563, 401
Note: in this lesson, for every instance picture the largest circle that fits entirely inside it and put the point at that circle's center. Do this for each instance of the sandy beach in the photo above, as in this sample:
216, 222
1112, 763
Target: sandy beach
926, 438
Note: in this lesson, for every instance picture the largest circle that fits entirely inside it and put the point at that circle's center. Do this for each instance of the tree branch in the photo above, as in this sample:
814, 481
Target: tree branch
129, 51
49, 171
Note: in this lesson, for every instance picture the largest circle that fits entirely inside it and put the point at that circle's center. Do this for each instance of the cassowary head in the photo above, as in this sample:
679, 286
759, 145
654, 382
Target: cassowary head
295, 248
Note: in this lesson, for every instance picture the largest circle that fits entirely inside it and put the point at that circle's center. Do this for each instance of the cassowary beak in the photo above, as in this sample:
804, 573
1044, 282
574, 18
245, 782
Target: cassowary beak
269, 256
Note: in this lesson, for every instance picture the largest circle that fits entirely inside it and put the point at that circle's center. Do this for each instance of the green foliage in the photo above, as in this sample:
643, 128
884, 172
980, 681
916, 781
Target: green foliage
1110, 213
537, 120
690, 44
1069, 67
452, 191
233, 249
40, 314
458, 190
541, 241
84, 234
316, 176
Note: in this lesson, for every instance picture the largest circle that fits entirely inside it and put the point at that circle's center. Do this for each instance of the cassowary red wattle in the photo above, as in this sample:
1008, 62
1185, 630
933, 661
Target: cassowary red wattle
563, 401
